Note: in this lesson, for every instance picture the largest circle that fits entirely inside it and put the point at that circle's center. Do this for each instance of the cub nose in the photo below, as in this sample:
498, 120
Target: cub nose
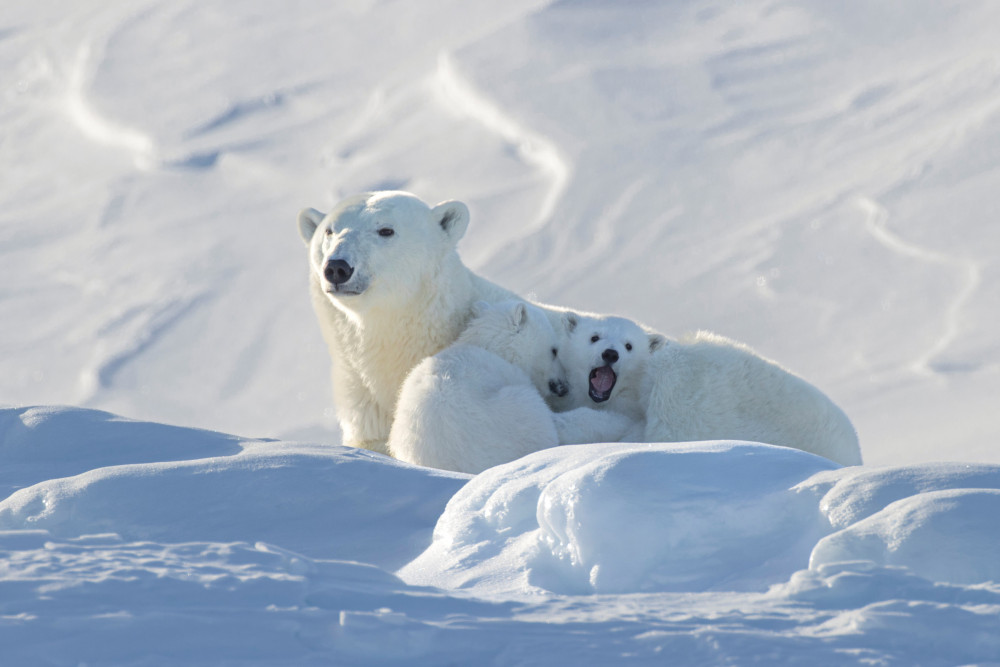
609, 356
558, 387
337, 271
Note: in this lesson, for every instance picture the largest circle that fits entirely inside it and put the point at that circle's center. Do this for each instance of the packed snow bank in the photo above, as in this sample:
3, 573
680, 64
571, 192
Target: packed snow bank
152, 544
705, 517
849, 495
629, 518
949, 536
940, 521
612, 518
324, 501
47, 442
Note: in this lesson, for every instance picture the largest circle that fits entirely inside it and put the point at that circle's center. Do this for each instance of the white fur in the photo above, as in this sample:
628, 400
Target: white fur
408, 297
702, 387
479, 403
587, 340
707, 387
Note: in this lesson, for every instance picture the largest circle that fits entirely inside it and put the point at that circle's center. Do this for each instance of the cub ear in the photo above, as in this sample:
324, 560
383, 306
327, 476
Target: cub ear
656, 341
519, 316
570, 320
453, 216
479, 308
309, 220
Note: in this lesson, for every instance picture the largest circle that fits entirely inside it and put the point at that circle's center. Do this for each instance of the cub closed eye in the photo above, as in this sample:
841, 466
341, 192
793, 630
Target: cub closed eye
386, 232
555, 353
595, 338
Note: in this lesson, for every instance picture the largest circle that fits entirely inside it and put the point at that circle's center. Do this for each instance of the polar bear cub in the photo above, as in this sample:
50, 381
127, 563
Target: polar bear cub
478, 403
701, 387
707, 387
606, 359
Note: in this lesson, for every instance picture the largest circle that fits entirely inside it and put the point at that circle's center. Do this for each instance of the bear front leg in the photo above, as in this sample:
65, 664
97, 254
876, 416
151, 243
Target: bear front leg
362, 420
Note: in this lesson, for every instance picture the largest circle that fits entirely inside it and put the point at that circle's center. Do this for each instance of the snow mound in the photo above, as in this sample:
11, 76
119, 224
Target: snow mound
951, 536
628, 518
941, 521
324, 501
74, 440
849, 495
190, 547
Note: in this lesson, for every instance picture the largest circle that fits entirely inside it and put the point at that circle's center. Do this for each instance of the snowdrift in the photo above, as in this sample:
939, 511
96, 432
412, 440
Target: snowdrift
271, 552
699, 517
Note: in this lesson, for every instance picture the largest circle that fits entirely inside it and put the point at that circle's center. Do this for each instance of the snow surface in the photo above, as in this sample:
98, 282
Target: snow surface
815, 179
281, 553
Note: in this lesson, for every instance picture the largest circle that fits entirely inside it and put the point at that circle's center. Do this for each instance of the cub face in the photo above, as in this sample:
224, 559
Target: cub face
379, 247
522, 335
605, 352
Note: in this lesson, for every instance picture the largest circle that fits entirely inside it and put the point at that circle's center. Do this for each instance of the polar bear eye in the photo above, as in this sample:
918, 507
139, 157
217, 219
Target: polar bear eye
628, 346
329, 232
386, 232
555, 353
595, 338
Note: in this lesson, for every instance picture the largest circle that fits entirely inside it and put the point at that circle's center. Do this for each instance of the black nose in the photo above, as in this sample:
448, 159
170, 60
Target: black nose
558, 388
337, 271
610, 356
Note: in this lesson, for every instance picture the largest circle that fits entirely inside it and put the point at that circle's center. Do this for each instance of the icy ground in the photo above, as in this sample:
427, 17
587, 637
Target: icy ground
816, 179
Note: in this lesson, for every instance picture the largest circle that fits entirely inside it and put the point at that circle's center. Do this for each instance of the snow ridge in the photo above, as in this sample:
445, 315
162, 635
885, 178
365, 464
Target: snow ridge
459, 94
95, 126
876, 223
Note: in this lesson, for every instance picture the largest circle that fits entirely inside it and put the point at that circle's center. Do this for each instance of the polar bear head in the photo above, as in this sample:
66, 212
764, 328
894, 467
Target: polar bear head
607, 352
380, 247
522, 335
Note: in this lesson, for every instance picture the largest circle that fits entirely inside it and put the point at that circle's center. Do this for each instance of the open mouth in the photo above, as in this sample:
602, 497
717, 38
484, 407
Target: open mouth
602, 381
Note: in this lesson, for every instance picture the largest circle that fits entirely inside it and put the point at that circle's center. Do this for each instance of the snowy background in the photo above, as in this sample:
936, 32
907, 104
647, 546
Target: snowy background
818, 180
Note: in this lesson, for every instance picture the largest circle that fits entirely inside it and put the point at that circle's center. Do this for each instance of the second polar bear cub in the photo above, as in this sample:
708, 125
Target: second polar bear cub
478, 403
701, 387
606, 358
708, 387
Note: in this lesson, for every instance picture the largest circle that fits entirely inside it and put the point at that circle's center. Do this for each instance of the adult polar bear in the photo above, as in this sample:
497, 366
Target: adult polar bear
389, 290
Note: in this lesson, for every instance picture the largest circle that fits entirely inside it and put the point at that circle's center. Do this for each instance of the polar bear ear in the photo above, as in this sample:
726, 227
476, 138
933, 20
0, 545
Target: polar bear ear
570, 320
519, 316
656, 341
309, 220
453, 216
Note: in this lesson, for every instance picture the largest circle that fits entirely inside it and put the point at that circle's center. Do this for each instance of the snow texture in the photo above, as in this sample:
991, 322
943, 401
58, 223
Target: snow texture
281, 553
815, 179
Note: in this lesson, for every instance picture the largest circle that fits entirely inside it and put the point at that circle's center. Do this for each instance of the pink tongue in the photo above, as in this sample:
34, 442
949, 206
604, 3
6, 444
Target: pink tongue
604, 379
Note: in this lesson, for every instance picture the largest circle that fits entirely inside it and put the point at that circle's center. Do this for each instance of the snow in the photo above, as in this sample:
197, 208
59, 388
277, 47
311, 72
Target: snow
702, 516
281, 553
814, 179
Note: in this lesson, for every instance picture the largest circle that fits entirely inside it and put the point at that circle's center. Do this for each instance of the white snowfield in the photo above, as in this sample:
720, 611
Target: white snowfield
236, 551
818, 180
